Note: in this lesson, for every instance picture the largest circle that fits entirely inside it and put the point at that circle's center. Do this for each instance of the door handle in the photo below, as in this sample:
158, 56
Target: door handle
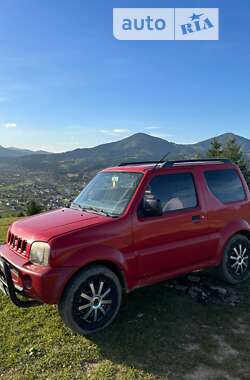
197, 218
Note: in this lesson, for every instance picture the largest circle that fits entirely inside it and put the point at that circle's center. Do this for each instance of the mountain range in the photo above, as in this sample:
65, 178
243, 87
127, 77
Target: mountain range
16, 152
139, 146
143, 141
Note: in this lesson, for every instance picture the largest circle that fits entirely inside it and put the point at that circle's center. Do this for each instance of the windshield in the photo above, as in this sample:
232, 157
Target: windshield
108, 193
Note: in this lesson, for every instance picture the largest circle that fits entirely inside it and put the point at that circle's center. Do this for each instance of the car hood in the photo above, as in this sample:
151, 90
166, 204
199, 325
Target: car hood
47, 225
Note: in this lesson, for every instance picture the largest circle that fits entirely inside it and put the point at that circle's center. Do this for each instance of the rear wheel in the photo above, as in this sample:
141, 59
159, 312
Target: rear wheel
235, 265
91, 301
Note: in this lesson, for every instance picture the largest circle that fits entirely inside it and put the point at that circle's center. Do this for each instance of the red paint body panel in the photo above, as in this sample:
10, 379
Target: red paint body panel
145, 249
47, 225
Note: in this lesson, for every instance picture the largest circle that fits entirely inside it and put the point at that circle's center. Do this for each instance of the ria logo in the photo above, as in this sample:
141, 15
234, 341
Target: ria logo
166, 23
197, 24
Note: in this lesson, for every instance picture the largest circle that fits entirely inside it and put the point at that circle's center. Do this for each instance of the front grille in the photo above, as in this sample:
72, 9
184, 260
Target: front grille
17, 243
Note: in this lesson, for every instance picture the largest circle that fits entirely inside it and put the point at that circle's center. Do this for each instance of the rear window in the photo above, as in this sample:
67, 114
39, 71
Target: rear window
226, 185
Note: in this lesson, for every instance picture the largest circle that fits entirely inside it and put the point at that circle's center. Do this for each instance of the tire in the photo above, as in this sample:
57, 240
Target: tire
91, 300
235, 265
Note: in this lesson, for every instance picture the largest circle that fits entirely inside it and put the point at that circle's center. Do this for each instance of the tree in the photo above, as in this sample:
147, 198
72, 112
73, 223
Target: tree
215, 150
33, 208
233, 152
20, 214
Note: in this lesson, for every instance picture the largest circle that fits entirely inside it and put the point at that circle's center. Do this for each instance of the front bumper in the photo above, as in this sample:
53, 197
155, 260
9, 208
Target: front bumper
12, 290
36, 283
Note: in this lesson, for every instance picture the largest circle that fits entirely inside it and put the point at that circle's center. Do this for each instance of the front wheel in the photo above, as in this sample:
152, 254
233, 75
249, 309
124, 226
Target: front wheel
235, 265
91, 301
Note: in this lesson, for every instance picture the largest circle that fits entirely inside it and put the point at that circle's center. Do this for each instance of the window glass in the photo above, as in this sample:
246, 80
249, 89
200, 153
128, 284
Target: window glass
175, 191
225, 185
109, 192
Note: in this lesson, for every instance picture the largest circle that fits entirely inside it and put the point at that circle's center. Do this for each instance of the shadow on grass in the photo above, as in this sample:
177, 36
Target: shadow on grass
162, 333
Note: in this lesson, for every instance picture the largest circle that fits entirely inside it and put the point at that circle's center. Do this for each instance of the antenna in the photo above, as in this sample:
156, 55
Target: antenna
161, 160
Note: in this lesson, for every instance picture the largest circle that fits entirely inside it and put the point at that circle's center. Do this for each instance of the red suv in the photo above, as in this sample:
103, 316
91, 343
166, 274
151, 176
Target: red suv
132, 225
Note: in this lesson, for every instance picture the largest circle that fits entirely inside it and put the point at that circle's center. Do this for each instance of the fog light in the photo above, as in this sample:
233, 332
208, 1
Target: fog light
27, 282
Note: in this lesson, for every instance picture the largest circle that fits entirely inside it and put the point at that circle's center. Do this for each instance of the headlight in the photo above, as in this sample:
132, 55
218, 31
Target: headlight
39, 253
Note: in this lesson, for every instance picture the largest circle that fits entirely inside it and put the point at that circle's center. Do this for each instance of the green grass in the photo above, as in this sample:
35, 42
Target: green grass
157, 335
4, 223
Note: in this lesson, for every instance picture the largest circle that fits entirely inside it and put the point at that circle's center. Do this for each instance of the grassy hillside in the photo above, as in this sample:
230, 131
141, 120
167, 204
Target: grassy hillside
158, 335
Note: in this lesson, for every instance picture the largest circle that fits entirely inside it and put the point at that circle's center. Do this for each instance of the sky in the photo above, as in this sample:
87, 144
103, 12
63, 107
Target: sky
66, 82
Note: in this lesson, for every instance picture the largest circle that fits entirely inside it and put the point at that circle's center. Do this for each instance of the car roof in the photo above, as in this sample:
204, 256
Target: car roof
149, 165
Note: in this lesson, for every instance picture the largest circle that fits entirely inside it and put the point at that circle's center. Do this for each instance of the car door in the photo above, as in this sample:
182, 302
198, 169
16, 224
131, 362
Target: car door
179, 238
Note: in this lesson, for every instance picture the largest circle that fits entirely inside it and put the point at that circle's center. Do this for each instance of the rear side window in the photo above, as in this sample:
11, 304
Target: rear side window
175, 191
226, 185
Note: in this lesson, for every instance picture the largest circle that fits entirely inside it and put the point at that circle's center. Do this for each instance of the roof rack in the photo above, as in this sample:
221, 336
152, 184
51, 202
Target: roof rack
172, 162
139, 163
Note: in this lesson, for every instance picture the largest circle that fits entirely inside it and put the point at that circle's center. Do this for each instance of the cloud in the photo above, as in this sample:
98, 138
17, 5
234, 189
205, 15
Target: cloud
152, 128
120, 130
115, 131
9, 125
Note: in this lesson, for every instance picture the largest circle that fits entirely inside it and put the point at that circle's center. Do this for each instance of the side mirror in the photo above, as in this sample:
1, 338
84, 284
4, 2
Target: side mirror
151, 206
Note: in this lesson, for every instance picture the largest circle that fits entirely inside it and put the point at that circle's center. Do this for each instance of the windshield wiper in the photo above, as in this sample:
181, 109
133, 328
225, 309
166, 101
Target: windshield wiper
98, 211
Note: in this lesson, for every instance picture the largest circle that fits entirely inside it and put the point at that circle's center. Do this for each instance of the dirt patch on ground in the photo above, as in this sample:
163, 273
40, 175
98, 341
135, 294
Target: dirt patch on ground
224, 351
207, 373
191, 347
205, 290
240, 328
